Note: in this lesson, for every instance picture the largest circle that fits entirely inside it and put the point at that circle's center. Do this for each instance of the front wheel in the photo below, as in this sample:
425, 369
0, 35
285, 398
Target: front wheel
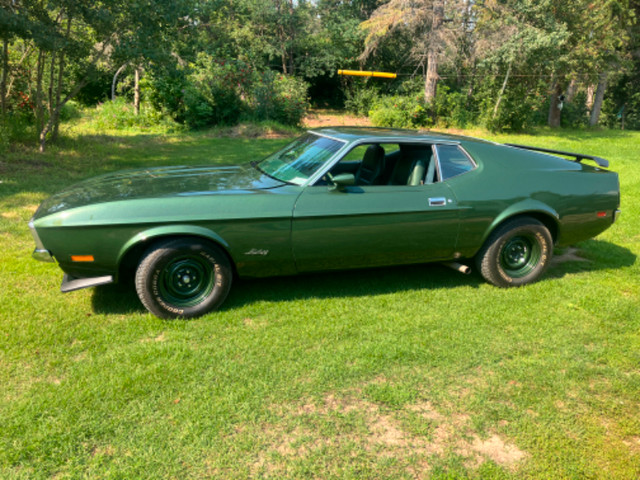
183, 278
516, 253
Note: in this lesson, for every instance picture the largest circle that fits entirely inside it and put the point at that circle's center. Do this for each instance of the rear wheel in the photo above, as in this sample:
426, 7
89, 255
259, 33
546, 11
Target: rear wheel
183, 278
516, 253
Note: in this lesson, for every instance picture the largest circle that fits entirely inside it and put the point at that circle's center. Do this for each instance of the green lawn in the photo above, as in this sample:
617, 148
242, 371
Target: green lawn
415, 372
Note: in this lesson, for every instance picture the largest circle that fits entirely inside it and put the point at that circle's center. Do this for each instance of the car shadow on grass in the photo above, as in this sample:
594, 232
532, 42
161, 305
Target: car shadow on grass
122, 298
587, 256
592, 255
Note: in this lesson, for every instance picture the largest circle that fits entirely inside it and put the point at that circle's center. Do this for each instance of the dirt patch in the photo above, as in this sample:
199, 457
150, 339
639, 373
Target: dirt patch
365, 427
633, 443
159, 338
321, 118
248, 130
497, 450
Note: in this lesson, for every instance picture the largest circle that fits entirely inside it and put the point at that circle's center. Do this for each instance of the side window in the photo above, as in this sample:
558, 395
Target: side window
453, 161
367, 163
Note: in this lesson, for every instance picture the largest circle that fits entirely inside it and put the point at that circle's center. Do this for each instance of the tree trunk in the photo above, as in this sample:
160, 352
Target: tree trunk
591, 89
115, 81
431, 82
571, 90
504, 86
61, 65
597, 102
554, 105
38, 99
50, 90
136, 91
5, 73
56, 113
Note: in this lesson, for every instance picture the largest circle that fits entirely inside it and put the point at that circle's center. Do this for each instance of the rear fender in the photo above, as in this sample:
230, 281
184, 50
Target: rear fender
530, 207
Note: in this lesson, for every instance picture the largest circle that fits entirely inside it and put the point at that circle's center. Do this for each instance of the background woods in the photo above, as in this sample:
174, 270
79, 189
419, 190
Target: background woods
506, 65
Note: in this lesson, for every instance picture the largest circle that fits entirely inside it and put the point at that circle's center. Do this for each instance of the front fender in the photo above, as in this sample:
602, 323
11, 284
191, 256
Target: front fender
530, 207
170, 230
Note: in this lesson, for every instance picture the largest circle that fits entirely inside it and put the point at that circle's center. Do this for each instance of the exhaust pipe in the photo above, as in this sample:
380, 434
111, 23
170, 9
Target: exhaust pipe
458, 267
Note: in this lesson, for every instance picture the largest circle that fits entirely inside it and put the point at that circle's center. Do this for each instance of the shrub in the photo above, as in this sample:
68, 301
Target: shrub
452, 109
16, 127
213, 93
517, 112
280, 98
400, 112
360, 100
575, 113
118, 114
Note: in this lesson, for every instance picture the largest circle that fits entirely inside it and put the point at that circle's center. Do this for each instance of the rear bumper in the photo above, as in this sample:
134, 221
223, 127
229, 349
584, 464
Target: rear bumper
69, 283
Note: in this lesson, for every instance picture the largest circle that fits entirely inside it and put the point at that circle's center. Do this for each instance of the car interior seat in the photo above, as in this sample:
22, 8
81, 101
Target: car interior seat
371, 166
411, 167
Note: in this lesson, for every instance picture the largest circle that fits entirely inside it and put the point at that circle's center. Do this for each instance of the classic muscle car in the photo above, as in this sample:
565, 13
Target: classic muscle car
335, 198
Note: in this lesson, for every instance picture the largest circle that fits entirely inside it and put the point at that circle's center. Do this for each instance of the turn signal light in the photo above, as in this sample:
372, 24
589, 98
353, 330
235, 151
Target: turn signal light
82, 258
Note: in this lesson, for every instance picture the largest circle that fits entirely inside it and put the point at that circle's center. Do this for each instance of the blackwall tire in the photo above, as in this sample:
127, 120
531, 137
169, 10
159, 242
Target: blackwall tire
516, 253
183, 278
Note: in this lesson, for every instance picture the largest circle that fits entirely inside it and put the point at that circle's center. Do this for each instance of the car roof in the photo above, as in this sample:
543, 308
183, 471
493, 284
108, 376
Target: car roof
351, 134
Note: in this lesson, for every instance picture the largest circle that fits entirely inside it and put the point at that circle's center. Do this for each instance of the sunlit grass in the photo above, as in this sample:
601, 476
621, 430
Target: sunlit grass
412, 372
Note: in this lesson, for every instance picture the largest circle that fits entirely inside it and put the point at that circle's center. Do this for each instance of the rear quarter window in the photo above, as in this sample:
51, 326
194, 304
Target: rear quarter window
453, 161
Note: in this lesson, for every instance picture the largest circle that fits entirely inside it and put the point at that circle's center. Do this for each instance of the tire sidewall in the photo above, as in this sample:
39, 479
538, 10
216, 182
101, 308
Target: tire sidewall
490, 261
151, 271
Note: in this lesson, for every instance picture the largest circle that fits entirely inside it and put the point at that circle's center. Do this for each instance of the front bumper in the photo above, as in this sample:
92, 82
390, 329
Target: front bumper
40, 253
43, 255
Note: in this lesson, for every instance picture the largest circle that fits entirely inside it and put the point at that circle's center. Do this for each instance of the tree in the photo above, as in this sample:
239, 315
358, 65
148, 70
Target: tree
424, 21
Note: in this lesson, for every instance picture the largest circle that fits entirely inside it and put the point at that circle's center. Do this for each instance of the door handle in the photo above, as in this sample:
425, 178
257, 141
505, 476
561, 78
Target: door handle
437, 202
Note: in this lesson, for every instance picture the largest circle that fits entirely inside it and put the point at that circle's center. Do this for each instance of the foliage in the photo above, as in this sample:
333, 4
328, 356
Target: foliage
213, 92
120, 115
400, 112
452, 109
359, 100
279, 97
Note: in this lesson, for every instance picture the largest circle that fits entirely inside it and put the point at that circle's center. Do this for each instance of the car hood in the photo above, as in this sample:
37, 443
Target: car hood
158, 182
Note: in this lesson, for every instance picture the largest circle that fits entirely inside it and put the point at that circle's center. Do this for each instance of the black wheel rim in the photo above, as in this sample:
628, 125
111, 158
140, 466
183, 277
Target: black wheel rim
186, 281
520, 255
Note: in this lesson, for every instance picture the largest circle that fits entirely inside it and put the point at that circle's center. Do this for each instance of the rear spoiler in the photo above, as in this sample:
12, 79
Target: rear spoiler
601, 162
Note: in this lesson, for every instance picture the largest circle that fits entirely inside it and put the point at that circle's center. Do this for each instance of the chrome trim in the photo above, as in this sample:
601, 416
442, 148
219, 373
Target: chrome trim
464, 152
616, 214
43, 255
437, 202
35, 236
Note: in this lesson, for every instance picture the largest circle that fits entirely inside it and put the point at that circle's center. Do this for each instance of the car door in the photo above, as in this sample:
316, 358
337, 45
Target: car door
373, 225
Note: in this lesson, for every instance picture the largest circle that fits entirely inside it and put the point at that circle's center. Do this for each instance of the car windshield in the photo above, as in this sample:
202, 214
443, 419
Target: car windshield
296, 162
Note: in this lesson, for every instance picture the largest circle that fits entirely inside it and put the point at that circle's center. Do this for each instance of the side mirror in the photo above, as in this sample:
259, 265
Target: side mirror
341, 181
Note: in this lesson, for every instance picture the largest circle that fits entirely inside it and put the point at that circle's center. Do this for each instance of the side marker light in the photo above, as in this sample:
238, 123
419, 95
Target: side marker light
82, 258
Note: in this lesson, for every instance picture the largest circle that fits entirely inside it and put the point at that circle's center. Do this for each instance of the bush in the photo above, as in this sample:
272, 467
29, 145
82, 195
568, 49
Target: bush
575, 113
280, 98
118, 114
213, 93
16, 127
360, 100
400, 112
517, 112
451, 109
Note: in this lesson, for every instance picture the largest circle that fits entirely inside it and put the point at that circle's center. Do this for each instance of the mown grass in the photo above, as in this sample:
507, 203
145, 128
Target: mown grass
414, 372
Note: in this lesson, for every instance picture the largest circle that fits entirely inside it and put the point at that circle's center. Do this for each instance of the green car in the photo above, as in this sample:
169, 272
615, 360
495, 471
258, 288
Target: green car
335, 198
